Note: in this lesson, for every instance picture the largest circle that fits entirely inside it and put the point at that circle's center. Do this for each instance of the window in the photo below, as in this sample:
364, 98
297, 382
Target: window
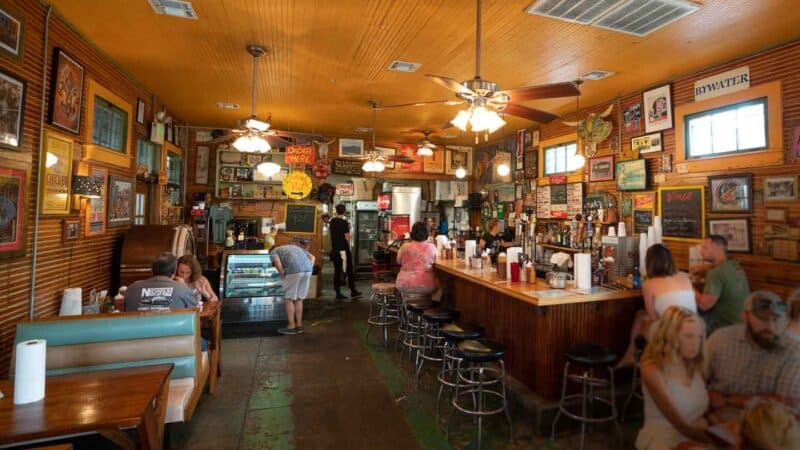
737, 128
110, 126
147, 155
173, 169
560, 158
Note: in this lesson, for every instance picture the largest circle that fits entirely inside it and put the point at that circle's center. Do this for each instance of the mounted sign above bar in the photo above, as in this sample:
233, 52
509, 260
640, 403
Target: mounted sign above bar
722, 83
345, 167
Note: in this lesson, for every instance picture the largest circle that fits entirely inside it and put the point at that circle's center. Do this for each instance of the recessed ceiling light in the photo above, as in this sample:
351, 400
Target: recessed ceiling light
227, 105
363, 129
404, 66
174, 8
595, 75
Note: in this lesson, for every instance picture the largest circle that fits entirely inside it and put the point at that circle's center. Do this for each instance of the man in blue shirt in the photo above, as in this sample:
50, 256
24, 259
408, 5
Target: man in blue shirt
295, 265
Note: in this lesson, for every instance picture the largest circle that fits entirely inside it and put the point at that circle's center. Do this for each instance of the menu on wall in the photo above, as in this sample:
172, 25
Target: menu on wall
574, 199
682, 211
560, 201
543, 202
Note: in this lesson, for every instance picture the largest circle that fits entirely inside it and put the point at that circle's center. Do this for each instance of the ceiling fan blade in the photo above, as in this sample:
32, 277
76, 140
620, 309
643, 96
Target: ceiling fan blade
225, 138
446, 126
449, 83
410, 105
298, 135
554, 90
275, 141
536, 115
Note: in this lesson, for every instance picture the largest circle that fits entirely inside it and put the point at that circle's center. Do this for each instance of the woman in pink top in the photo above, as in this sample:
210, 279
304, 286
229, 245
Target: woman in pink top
416, 260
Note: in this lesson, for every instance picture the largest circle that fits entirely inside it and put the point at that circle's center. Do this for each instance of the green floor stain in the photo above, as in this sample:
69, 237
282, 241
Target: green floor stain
421, 421
269, 422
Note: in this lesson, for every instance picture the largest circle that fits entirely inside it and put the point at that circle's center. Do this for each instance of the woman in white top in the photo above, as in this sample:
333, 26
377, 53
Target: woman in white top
675, 395
665, 286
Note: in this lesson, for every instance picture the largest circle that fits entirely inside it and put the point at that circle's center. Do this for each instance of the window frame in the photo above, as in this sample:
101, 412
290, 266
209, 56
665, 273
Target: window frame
763, 100
98, 153
555, 146
114, 110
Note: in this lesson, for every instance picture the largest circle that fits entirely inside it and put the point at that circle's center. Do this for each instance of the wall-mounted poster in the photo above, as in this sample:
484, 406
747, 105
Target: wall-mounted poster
411, 152
601, 168
13, 192
731, 193
644, 200
201, 167
56, 170
12, 97
633, 118
300, 155
351, 148
458, 157
120, 201
632, 175
96, 207
658, 109
649, 143
736, 231
435, 162
66, 93
780, 188
532, 162
10, 33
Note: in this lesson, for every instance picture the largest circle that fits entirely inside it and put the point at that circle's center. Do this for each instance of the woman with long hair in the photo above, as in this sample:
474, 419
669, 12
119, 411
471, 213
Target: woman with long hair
190, 272
675, 395
416, 259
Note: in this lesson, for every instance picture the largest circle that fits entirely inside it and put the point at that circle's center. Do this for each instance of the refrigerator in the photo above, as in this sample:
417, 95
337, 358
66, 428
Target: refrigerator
250, 287
406, 201
366, 234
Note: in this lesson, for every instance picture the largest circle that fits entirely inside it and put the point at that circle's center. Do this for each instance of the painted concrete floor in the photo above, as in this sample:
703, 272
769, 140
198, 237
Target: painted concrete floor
328, 389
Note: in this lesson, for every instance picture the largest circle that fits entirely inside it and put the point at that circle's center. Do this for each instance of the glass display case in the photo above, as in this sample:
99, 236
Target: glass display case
250, 287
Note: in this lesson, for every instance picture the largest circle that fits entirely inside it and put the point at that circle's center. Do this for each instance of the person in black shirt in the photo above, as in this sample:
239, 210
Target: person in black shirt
489, 238
339, 230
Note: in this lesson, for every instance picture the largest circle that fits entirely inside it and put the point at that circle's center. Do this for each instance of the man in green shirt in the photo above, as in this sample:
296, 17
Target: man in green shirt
722, 301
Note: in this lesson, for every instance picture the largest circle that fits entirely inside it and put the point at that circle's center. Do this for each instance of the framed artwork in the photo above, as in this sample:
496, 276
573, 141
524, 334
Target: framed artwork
731, 193
12, 97
70, 230
780, 188
776, 215
666, 163
456, 157
66, 93
642, 220
658, 109
253, 160
96, 207
736, 231
10, 33
140, 106
434, 163
632, 175
535, 138
14, 178
649, 143
410, 154
644, 201
386, 152
201, 167
56, 170
351, 148
627, 207
601, 168
785, 250
633, 118
531, 162
121, 193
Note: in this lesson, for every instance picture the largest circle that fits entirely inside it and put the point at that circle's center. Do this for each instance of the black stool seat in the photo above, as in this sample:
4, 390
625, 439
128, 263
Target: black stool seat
415, 297
419, 307
480, 350
590, 354
439, 315
467, 331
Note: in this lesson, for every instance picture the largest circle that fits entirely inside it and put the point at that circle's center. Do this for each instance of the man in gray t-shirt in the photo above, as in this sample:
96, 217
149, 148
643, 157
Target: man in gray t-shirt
160, 292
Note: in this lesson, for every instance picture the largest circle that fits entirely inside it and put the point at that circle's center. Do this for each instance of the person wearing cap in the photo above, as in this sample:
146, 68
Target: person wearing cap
726, 286
754, 358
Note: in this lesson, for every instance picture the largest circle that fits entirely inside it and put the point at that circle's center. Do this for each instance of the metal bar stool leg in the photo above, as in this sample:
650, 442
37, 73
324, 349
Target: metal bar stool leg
561, 401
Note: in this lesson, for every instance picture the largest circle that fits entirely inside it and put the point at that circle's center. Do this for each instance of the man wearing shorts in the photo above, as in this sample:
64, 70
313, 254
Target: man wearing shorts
295, 266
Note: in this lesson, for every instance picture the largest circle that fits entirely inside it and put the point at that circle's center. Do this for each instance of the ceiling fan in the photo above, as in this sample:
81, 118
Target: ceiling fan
425, 146
485, 100
253, 134
375, 159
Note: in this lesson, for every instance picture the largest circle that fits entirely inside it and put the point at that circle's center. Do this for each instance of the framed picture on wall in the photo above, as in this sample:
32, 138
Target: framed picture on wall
121, 192
386, 152
456, 157
12, 97
731, 193
56, 171
351, 148
10, 33
140, 106
66, 92
632, 175
96, 207
70, 229
736, 231
633, 118
433, 163
658, 109
14, 176
601, 168
776, 215
780, 188
649, 143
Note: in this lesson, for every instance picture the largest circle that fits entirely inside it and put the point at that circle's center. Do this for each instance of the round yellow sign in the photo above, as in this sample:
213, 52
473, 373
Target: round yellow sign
297, 185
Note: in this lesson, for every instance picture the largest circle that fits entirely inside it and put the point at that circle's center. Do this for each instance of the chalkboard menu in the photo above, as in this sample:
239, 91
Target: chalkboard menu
642, 220
301, 218
559, 201
348, 167
682, 211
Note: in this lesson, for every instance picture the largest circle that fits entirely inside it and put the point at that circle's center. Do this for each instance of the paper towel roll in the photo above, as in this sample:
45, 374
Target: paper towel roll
583, 270
621, 229
659, 230
29, 371
643, 246
469, 249
651, 236
512, 255
71, 302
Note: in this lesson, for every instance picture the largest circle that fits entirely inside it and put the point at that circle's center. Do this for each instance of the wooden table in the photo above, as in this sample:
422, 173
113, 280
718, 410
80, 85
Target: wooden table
211, 320
536, 328
103, 401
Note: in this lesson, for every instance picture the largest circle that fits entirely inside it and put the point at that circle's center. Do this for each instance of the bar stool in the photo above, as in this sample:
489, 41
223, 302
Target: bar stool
381, 310
431, 333
588, 357
413, 341
453, 334
475, 359
403, 326
640, 343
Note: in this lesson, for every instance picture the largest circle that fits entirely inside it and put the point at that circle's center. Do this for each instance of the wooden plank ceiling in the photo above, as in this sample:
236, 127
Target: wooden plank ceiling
327, 58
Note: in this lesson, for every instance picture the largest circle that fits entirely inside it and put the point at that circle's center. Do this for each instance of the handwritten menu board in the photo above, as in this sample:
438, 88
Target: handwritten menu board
347, 167
301, 218
682, 211
642, 220
560, 201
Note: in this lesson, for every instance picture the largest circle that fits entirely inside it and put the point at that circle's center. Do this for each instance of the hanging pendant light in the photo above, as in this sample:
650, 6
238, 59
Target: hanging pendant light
461, 172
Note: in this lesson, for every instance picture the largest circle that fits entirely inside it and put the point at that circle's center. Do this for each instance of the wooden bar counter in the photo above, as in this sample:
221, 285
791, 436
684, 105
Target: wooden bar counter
536, 328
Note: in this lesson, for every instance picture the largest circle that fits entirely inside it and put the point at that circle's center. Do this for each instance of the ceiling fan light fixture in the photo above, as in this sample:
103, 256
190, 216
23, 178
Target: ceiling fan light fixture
461, 120
369, 166
256, 124
269, 168
461, 173
425, 151
378, 166
251, 144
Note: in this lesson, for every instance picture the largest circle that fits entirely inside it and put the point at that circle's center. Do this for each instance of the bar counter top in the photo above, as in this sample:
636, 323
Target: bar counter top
538, 294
